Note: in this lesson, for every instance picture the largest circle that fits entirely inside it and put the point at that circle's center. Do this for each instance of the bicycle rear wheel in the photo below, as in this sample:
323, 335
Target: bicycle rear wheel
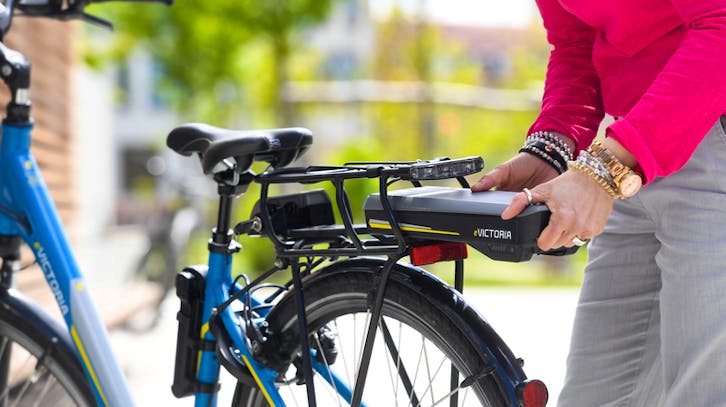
36, 367
416, 344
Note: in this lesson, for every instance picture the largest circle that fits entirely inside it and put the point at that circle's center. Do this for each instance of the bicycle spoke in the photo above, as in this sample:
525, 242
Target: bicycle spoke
418, 361
355, 346
447, 396
6, 393
428, 373
342, 354
3, 347
38, 372
390, 375
463, 399
290, 390
398, 362
46, 389
359, 359
335, 393
401, 372
332, 394
429, 388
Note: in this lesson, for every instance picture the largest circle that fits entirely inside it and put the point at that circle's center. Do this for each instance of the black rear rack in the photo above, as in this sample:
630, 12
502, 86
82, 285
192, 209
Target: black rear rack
295, 245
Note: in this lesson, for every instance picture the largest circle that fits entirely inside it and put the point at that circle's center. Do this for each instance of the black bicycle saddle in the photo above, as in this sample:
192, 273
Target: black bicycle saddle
279, 147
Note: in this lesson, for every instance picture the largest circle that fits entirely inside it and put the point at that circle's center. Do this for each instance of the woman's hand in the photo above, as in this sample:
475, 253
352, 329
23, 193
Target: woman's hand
522, 171
580, 207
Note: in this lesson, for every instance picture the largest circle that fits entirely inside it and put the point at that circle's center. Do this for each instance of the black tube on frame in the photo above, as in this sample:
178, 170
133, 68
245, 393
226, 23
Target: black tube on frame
221, 234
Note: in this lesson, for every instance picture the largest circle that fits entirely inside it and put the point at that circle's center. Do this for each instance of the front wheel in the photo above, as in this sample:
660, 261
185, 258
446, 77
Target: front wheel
37, 365
418, 341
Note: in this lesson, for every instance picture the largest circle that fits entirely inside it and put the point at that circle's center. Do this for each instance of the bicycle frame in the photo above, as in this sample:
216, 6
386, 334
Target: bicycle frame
27, 210
219, 287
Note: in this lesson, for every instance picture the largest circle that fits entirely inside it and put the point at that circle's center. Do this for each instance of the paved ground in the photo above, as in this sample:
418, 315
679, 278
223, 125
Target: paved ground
535, 324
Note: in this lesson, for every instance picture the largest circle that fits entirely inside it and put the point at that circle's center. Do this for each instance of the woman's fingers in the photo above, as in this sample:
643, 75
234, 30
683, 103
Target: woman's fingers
493, 179
579, 206
559, 231
519, 202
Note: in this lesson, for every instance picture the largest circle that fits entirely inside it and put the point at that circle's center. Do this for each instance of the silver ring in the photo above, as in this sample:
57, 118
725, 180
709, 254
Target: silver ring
529, 195
578, 242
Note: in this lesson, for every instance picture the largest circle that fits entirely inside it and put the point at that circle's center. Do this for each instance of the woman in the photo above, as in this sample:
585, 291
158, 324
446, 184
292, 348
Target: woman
650, 328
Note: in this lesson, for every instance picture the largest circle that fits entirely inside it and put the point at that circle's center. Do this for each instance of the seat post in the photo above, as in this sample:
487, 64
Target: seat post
229, 186
221, 236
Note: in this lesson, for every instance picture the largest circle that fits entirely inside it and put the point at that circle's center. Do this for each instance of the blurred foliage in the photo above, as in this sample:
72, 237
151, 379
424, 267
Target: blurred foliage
209, 50
226, 62
453, 130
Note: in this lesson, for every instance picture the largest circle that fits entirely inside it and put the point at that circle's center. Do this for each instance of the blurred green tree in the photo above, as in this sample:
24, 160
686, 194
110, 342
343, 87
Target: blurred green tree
208, 51
409, 50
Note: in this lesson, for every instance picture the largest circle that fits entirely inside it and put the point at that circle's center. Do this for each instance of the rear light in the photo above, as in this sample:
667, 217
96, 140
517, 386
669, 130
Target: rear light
435, 253
532, 393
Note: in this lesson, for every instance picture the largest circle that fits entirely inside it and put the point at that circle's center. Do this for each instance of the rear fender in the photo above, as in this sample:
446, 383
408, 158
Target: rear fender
442, 295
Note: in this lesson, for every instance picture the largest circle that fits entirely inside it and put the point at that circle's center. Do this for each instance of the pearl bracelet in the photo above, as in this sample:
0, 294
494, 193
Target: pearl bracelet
549, 148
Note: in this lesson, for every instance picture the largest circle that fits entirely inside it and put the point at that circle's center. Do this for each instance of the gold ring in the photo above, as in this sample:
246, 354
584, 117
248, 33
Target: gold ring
529, 195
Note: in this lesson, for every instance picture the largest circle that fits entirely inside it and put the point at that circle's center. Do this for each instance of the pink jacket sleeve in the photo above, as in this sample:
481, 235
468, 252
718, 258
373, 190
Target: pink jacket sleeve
668, 122
572, 103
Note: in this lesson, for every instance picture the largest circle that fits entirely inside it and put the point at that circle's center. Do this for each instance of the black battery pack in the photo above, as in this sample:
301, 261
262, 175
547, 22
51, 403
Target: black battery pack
434, 213
298, 210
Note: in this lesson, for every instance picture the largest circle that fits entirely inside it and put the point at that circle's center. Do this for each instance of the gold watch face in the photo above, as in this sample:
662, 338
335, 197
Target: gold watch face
630, 185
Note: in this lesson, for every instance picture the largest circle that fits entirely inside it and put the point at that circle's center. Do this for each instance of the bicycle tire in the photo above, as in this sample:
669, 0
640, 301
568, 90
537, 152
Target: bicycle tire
345, 293
42, 367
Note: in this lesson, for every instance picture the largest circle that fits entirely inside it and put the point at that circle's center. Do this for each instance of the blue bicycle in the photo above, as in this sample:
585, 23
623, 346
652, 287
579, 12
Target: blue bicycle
354, 325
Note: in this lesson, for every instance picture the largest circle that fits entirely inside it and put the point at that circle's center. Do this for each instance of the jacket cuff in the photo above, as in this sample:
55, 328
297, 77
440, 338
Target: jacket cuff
629, 137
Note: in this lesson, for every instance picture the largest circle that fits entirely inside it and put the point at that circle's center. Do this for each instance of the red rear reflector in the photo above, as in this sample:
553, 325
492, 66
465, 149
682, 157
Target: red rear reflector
435, 253
532, 393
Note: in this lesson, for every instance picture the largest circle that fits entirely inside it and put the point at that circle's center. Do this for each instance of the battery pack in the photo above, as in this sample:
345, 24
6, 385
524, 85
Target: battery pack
433, 213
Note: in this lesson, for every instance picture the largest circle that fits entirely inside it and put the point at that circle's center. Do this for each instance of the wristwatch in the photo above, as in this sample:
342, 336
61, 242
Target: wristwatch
626, 181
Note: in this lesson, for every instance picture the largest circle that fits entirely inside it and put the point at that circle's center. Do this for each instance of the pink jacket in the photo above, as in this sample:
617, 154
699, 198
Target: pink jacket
658, 64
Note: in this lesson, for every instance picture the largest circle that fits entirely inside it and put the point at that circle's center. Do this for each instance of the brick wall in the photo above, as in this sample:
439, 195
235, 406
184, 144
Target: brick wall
48, 45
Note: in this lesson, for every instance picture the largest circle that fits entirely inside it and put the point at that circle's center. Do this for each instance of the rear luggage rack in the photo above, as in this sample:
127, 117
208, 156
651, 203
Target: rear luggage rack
396, 220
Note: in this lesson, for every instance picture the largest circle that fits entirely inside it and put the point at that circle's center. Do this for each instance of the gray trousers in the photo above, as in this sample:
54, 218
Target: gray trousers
650, 326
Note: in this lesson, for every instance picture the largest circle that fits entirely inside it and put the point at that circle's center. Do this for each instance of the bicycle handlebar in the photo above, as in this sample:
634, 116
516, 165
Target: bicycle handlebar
58, 9
167, 2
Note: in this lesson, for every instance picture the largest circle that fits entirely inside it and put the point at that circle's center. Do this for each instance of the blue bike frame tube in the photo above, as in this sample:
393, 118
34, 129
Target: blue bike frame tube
35, 218
217, 289
218, 277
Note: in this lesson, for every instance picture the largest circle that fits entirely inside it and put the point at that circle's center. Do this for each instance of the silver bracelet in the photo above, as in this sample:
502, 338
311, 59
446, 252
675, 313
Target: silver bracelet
598, 167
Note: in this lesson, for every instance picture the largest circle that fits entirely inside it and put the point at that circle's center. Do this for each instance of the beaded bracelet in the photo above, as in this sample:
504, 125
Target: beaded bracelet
549, 148
556, 142
546, 153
